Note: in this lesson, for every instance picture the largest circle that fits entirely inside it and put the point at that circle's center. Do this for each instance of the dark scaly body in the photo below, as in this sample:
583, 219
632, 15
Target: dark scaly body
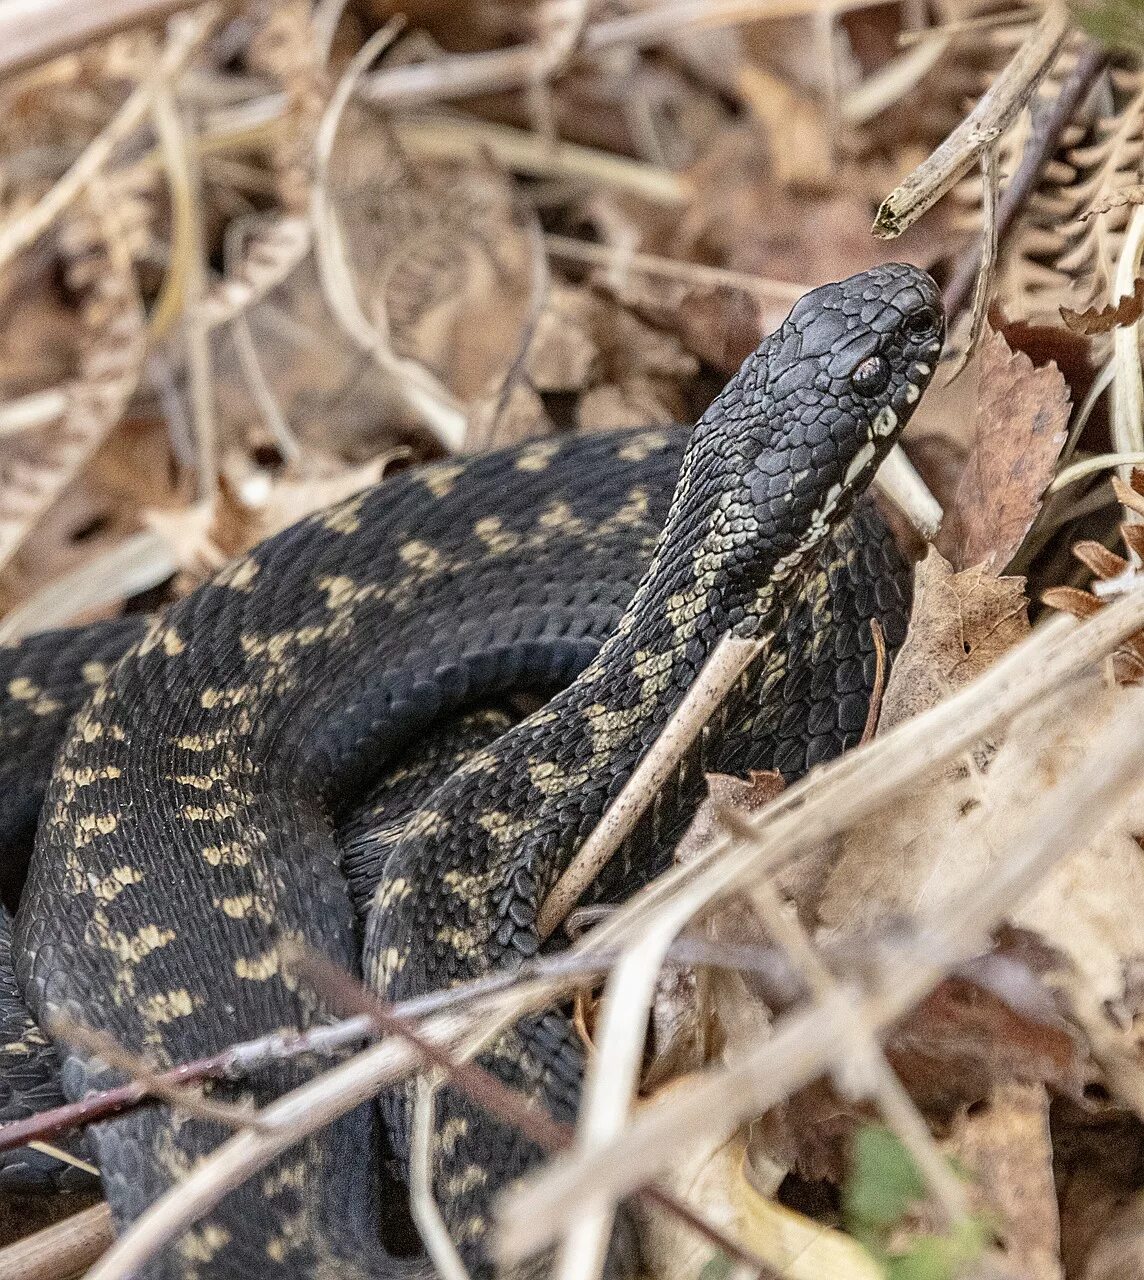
188, 825
821, 680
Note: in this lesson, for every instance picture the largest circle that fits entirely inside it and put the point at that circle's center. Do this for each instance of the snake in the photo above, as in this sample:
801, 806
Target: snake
315, 748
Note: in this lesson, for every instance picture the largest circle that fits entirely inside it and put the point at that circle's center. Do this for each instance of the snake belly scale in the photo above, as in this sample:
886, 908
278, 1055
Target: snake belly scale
190, 822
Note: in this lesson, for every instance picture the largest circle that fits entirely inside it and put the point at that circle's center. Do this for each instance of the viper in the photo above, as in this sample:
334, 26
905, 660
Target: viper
264, 761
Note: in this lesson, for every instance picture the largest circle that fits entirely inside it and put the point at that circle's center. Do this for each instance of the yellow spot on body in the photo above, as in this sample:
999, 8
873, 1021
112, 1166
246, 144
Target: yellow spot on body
461, 1184
390, 964
536, 457
201, 741
551, 780
339, 591
237, 908
558, 515
168, 1006
421, 556
209, 699
94, 824
503, 829
200, 781
346, 517
130, 949
450, 1133
239, 575
86, 776
461, 941
642, 447
109, 887
228, 855
498, 540
201, 1244
94, 672
390, 891
165, 637
39, 703
257, 968
439, 479
216, 813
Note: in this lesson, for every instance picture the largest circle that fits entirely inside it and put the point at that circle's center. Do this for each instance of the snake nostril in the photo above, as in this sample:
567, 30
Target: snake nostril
921, 323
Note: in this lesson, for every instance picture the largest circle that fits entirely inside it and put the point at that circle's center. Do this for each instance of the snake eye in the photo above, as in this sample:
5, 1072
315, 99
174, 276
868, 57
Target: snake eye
871, 377
923, 323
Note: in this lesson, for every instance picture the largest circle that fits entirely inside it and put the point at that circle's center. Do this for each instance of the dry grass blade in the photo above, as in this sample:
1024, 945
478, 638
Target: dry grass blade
720, 673
1128, 385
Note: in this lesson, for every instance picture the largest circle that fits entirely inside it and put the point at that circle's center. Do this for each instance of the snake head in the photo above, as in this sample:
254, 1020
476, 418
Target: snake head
801, 429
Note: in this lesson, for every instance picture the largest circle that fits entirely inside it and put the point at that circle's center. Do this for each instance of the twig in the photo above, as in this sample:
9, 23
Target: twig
66, 1248
460, 75
33, 31
1047, 129
183, 1095
715, 681
984, 281
187, 34
874, 710
184, 289
980, 129
422, 1202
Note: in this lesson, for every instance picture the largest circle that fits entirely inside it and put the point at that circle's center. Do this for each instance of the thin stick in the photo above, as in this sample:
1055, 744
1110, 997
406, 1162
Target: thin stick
979, 130
183, 1096
730, 659
984, 282
874, 710
692, 273
65, 1248
422, 1203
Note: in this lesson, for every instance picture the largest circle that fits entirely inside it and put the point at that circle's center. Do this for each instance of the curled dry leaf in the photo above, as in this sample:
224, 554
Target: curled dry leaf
1021, 421
961, 624
1124, 311
720, 1183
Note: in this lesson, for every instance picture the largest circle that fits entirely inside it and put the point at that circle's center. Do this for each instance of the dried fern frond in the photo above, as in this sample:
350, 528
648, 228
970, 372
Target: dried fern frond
1108, 567
287, 49
109, 371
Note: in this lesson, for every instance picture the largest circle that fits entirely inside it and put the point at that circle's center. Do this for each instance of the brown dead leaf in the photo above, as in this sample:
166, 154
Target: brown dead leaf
1022, 415
1124, 311
1006, 1147
961, 624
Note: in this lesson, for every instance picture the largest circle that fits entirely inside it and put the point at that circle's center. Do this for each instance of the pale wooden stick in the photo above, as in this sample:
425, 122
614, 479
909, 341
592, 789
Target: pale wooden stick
64, 1249
730, 659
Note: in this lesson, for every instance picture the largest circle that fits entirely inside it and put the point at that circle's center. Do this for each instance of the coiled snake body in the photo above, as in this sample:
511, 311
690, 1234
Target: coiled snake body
190, 821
